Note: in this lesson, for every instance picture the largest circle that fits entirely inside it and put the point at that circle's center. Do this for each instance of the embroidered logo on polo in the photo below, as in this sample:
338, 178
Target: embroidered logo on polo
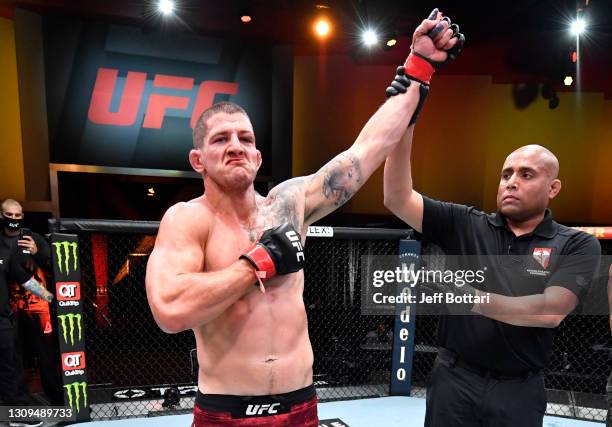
542, 256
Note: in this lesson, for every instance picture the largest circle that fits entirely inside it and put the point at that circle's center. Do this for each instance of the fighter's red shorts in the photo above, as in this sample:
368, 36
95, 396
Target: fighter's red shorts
294, 409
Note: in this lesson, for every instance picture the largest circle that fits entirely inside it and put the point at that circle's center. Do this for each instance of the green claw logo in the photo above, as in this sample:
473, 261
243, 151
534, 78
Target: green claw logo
78, 388
64, 253
70, 317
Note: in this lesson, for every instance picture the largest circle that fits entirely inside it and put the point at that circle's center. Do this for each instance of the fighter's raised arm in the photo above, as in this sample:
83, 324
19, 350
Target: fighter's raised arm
438, 46
336, 182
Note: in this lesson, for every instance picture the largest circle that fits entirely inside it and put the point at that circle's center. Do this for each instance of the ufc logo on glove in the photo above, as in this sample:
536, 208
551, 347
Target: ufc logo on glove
295, 242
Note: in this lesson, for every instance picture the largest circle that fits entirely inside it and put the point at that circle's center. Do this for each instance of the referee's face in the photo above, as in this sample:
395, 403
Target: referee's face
528, 182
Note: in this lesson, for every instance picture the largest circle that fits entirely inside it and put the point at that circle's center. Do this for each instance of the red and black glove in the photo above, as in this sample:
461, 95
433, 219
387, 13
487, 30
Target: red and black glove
279, 251
419, 67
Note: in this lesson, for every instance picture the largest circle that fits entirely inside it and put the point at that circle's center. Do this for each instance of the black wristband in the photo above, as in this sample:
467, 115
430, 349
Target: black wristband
423, 92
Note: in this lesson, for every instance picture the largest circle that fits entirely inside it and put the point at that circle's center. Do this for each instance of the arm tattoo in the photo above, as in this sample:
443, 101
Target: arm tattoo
37, 289
342, 179
283, 206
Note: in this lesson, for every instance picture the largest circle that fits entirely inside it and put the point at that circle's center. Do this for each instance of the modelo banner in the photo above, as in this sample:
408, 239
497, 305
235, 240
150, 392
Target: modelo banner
403, 331
120, 96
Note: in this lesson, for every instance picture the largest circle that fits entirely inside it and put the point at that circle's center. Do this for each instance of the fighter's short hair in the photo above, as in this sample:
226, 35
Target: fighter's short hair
200, 129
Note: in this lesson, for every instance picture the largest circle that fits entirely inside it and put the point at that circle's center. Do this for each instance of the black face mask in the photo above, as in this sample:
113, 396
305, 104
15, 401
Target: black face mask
12, 224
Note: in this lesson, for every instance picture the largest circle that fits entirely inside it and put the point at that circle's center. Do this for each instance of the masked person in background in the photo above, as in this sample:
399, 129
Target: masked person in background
33, 324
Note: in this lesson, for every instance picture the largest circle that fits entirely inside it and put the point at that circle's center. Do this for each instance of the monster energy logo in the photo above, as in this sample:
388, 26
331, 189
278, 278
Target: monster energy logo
63, 254
78, 389
70, 317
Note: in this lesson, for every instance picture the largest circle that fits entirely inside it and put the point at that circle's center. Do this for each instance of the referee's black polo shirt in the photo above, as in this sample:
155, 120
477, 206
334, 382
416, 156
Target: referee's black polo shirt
487, 343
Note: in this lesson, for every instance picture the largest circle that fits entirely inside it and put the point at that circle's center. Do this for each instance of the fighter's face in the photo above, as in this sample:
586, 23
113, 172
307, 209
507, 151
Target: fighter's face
525, 186
228, 155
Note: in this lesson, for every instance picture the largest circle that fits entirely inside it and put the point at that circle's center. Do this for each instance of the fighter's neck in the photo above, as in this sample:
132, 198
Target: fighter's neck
239, 204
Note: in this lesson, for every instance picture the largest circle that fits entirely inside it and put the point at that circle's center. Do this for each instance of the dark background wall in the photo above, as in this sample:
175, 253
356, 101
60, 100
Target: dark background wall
307, 101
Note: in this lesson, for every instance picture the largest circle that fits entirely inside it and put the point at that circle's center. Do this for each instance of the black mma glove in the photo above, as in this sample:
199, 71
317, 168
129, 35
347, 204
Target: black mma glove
400, 85
279, 251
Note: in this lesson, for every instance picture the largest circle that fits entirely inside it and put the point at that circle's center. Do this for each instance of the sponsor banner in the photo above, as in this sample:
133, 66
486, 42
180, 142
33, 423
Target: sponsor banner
75, 395
152, 392
316, 231
68, 294
403, 336
65, 256
71, 330
67, 277
74, 361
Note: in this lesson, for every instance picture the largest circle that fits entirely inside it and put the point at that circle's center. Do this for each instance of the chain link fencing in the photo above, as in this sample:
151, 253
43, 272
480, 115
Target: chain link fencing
132, 364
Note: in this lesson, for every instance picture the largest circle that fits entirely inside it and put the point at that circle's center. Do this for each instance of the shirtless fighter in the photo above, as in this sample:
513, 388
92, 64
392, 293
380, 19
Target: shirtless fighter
228, 264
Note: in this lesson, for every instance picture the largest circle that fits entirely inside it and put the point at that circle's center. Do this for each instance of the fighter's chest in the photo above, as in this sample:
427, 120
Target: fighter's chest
228, 239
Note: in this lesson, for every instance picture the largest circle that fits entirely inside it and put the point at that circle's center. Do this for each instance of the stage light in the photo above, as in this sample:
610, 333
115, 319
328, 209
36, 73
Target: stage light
166, 7
369, 37
574, 56
246, 18
322, 27
568, 80
578, 26
391, 41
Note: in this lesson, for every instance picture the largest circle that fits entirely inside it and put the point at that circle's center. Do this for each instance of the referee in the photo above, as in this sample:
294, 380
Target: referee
488, 370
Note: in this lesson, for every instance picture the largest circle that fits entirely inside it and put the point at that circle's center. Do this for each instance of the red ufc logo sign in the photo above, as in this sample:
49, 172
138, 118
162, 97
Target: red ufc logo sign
68, 291
71, 361
129, 105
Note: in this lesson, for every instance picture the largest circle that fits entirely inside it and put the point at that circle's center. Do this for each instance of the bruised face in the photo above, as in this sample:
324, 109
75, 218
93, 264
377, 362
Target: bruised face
228, 156
528, 182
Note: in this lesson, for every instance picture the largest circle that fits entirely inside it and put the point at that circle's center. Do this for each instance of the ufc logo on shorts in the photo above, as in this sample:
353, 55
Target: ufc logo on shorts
72, 361
68, 291
295, 242
261, 409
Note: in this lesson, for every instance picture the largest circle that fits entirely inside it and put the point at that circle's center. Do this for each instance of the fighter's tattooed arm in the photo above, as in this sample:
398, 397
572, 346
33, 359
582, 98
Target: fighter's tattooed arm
284, 203
336, 182
333, 185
